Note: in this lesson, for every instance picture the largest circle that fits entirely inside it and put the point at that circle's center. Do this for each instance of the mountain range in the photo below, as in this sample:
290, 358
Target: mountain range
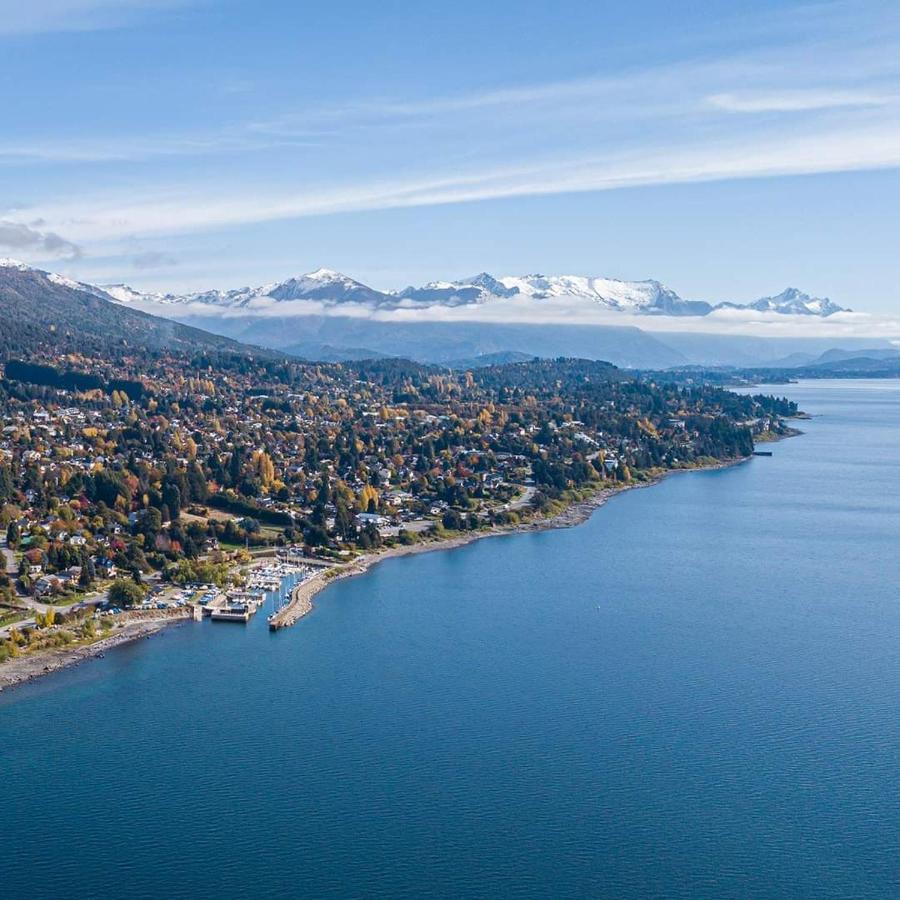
304, 317
330, 289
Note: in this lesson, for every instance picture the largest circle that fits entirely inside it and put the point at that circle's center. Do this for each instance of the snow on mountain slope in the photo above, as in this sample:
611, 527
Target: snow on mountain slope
331, 289
644, 297
323, 285
479, 289
791, 302
53, 277
124, 294
7, 262
636, 297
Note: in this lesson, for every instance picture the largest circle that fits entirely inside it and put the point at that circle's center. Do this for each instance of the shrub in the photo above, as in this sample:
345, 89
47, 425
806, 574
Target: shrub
125, 592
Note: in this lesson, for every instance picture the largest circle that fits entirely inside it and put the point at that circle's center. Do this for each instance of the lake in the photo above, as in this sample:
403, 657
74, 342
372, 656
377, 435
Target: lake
694, 694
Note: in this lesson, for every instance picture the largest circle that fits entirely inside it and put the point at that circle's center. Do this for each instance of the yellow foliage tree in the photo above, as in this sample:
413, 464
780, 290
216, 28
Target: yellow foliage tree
366, 495
264, 466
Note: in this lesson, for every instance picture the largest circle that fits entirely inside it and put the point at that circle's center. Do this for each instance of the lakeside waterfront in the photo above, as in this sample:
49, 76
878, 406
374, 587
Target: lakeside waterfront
388, 453
22, 669
575, 513
40, 663
579, 712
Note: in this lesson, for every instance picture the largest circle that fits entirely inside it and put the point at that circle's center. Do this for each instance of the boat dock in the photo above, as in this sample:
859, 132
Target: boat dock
235, 606
234, 612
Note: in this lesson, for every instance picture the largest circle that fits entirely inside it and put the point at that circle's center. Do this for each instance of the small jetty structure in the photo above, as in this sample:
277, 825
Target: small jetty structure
236, 606
232, 612
287, 612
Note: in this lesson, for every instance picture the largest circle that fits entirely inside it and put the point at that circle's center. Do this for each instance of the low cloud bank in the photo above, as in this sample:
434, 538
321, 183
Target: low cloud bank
571, 311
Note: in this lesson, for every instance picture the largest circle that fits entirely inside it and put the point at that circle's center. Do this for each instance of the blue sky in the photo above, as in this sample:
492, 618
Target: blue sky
728, 149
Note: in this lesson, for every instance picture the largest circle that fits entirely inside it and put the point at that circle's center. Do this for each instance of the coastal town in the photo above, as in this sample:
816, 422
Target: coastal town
144, 487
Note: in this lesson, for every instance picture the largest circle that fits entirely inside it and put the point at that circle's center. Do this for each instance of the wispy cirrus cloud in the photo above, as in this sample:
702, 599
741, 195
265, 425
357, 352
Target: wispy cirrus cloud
870, 144
153, 259
46, 16
130, 148
798, 100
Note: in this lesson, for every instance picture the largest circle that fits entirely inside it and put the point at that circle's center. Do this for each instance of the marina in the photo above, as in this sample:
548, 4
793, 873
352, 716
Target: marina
266, 583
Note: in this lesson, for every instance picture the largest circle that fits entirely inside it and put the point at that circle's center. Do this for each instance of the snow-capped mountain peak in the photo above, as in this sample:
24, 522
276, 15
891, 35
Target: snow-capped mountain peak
52, 277
642, 297
325, 285
790, 301
329, 288
326, 275
477, 289
799, 303
7, 262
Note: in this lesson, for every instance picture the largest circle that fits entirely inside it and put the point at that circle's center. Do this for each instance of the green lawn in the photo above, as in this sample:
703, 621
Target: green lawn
10, 618
230, 545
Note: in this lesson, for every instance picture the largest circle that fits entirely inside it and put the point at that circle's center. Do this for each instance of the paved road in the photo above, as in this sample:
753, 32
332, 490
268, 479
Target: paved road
25, 623
35, 606
524, 500
11, 567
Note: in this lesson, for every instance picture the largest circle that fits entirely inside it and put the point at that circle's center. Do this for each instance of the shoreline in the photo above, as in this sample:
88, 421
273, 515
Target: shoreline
25, 668
576, 513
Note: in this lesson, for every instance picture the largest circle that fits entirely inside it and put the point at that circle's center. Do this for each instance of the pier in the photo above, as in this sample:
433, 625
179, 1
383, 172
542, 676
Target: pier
300, 603
235, 606
236, 612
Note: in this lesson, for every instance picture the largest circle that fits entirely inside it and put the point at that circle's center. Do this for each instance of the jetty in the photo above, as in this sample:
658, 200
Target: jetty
300, 602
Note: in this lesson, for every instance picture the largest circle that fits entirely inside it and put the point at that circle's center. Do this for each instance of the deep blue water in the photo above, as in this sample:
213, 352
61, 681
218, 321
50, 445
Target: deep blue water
695, 694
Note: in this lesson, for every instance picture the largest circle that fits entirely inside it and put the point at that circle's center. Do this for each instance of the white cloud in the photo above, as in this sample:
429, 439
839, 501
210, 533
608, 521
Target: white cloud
838, 148
798, 100
33, 240
43, 16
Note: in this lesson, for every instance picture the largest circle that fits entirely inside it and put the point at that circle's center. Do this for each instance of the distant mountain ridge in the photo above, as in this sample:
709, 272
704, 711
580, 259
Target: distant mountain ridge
39, 308
323, 285
790, 302
333, 289
642, 297
303, 317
